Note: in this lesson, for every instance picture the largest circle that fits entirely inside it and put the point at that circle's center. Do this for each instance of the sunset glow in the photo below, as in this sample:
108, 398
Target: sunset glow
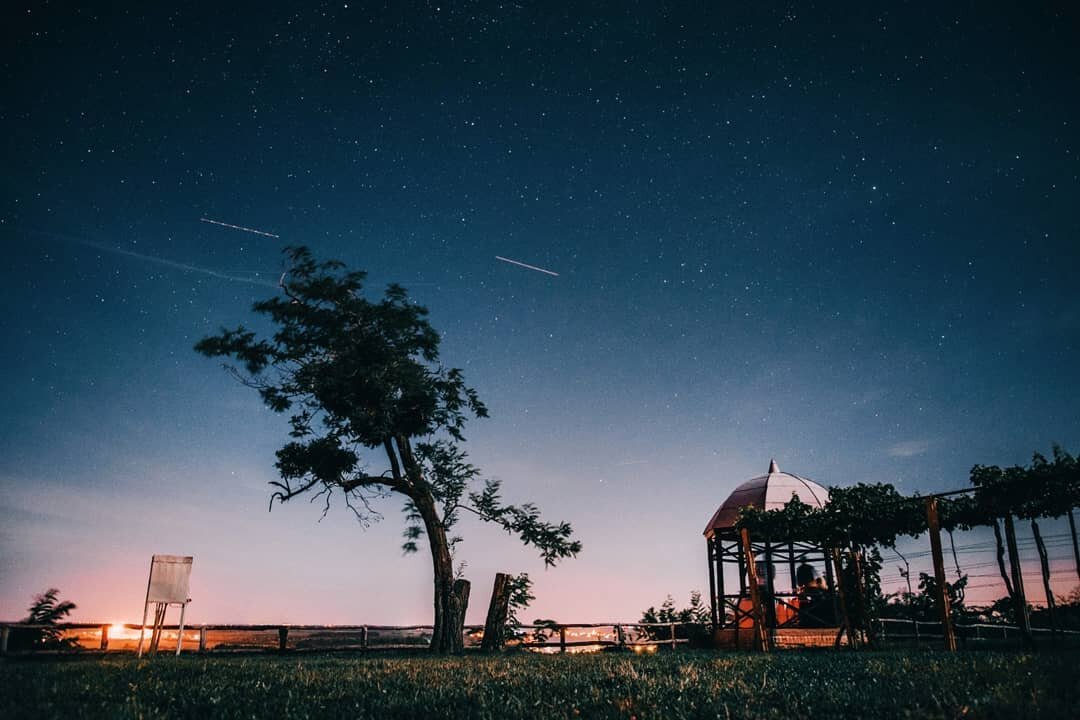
118, 631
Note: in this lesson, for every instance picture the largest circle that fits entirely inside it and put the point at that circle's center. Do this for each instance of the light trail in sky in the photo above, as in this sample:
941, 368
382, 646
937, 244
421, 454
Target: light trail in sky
178, 265
238, 227
525, 265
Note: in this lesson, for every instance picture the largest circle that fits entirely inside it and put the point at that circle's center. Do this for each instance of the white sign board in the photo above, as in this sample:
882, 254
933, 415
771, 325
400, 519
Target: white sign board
169, 576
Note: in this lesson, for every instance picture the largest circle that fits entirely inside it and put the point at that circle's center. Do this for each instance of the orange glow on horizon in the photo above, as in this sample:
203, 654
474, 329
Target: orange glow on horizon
117, 631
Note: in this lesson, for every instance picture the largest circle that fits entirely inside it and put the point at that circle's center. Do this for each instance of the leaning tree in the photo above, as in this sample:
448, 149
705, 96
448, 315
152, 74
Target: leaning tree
361, 379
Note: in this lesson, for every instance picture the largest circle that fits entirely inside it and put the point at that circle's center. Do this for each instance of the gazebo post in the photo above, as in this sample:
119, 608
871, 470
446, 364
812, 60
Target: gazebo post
742, 571
830, 581
720, 581
791, 566
711, 554
770, 572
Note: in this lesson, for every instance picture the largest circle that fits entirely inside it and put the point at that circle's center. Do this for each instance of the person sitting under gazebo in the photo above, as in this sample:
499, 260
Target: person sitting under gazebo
814, 601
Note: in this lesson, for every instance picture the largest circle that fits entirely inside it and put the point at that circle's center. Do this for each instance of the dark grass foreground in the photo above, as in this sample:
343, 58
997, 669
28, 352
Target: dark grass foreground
789, 685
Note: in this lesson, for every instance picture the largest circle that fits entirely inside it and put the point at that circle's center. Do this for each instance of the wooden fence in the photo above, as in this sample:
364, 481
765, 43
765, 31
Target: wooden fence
902, 629
553, 637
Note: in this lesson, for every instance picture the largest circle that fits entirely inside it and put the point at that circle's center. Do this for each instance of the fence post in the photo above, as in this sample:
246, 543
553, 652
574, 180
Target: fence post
562, 639
283, 639
672, 636
620, 639
202, 638
4, 639
104, 637
916, 624
364, 637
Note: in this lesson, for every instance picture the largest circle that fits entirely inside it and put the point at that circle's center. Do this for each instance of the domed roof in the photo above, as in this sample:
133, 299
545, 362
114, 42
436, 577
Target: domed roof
768, 492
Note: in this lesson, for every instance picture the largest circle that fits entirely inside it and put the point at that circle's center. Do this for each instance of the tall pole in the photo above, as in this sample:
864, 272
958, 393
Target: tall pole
939, 574
1076, 546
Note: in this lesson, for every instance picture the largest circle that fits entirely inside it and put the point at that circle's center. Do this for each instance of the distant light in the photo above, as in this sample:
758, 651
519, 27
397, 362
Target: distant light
117, 631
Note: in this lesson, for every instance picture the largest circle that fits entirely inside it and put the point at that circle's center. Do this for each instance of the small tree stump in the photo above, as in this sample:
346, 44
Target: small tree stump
460, 604
498, 611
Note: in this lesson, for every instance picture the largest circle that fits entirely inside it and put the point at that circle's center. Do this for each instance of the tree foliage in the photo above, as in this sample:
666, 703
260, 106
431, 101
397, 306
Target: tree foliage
696, 612
361, 378
520, 598
878, 514
861, 515
691, 622
922, 605
48, 611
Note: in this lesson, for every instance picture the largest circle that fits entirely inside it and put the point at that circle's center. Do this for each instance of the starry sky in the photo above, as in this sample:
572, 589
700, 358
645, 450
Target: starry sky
841, 236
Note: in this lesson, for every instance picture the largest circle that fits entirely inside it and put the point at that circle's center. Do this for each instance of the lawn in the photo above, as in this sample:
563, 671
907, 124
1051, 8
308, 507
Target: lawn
789, 685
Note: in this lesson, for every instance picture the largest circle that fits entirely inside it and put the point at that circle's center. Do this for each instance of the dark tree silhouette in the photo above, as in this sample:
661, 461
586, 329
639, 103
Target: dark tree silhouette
46, 610
358, 376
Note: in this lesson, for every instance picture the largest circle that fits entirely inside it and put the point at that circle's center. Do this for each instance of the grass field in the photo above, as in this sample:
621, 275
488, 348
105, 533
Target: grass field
791, 685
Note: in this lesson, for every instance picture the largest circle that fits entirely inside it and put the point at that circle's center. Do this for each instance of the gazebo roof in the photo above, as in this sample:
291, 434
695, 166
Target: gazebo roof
768, 492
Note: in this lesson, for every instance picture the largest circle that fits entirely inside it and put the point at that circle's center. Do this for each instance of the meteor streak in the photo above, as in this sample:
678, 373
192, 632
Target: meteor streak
238, 227
524, 265
177, 265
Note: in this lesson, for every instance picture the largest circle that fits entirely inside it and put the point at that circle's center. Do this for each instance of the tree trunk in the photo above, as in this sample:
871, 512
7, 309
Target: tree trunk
446, 637
451, 599
1044, 562
1001, 560
1023, 619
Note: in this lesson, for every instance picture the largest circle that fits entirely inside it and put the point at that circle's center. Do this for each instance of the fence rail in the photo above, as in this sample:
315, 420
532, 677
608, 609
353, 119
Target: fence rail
555, 636
919, 629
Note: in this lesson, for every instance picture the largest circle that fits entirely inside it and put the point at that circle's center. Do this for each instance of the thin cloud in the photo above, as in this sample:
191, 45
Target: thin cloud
909, 448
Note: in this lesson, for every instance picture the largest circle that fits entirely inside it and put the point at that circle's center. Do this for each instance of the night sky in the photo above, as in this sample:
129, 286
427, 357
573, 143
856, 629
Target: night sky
844, 237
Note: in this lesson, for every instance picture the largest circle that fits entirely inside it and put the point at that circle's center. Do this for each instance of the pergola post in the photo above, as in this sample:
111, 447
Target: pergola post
939, 574
761, 638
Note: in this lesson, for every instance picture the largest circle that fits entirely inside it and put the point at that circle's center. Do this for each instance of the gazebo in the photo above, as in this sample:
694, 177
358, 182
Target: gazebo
793, 599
